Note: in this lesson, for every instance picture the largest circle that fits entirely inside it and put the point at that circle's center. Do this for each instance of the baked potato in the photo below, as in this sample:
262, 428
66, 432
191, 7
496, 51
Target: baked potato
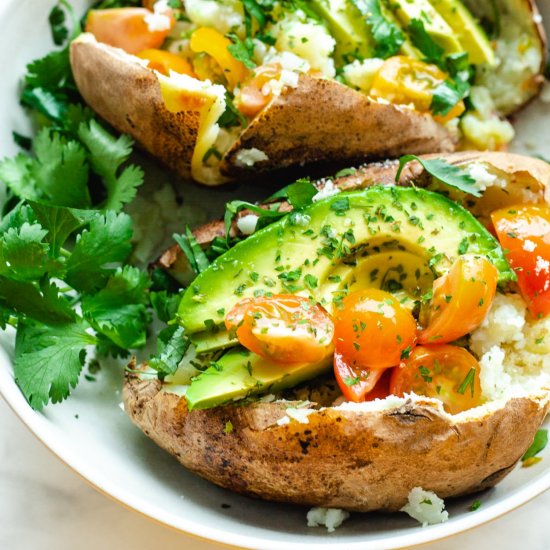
314, 445
221, 92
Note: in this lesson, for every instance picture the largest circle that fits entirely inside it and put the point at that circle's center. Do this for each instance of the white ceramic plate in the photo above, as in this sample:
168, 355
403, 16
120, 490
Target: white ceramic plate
92, 435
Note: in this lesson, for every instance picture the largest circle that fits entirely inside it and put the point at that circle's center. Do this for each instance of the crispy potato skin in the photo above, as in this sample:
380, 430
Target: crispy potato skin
292, 130
521, 172
127, 95
360, 461
338, 124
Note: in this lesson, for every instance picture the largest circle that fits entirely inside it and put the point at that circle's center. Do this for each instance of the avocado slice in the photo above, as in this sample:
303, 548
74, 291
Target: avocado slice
240, 373
435, 24
467, 30
347, 26
342, 232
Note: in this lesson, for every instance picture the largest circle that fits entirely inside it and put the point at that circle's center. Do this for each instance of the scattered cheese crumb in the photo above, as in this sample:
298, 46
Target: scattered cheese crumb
247, 224
249, 157
327, 190
300, 415
482, 176
331, 518
426, 507
159, 20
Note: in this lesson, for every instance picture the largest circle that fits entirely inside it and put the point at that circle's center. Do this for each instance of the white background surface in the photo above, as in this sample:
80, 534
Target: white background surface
45, 506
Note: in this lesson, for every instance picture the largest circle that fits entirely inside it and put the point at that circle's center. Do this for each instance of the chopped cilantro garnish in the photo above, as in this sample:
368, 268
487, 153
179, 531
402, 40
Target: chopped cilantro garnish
242, 50
469, 380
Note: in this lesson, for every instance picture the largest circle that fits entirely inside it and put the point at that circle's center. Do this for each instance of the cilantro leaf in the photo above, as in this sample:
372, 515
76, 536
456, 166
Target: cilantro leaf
165, 304
192, 249
23, 253
421, 39
119, 310
60, 170
172, 344
298, 194
40, 302
231, 116
252, 9
446, 173
107, 154
15, 173
107, 241
447, 95
59, 222
539, 443
387, 36
60, 33
242, 50
19, 215
48, 360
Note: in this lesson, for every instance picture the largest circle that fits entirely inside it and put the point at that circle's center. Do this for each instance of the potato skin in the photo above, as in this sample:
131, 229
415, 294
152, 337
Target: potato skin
521, 172
339, 125
291, 130
127, 95
359, 461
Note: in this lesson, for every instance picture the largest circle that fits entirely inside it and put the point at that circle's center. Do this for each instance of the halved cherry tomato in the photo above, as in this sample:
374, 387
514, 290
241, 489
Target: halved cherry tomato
404, 80
252, 99
460, 301
354, 382
524, 232
128, 28
382, 388
283, 328
164, 62
448, 373
215, 44
372, 329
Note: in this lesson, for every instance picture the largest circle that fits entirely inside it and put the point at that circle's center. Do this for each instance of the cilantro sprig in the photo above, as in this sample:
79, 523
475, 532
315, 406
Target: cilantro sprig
65, 244
446, 173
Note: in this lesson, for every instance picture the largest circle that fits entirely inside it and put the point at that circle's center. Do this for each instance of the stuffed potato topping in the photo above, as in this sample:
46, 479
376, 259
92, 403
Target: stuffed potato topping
372, 336
215, 88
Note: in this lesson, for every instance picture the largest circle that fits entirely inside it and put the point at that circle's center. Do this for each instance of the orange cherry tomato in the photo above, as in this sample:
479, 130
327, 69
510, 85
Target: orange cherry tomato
355, 383
127, 28
382, 388
460, 301
252, 99
524, 232
164, 62
215, 44
448, 373
372, 329
283, 328
404, 80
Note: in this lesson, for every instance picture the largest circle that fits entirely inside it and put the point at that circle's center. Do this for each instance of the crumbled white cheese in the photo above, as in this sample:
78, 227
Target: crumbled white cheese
289, 78
483, 178
287, 60
247, 224
331, 518
249, 157
308, 40
300, 415
426, 507
226, 16
159, 20
328, 189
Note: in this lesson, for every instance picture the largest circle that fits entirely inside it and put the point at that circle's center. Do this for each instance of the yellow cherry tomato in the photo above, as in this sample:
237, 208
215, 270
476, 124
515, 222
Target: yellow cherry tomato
164, 62
215, 44
403, 80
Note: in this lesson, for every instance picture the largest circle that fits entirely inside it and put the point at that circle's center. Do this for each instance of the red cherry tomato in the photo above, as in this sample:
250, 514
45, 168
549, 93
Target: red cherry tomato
524, 232
372, 329
355, 383
460, 301
127, 28
283, 328
448, 373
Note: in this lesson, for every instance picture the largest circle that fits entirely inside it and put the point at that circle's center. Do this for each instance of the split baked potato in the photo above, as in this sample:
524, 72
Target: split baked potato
215, 92
311, 444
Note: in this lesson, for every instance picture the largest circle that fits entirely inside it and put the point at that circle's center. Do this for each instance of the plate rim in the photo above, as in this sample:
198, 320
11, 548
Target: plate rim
40, 427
